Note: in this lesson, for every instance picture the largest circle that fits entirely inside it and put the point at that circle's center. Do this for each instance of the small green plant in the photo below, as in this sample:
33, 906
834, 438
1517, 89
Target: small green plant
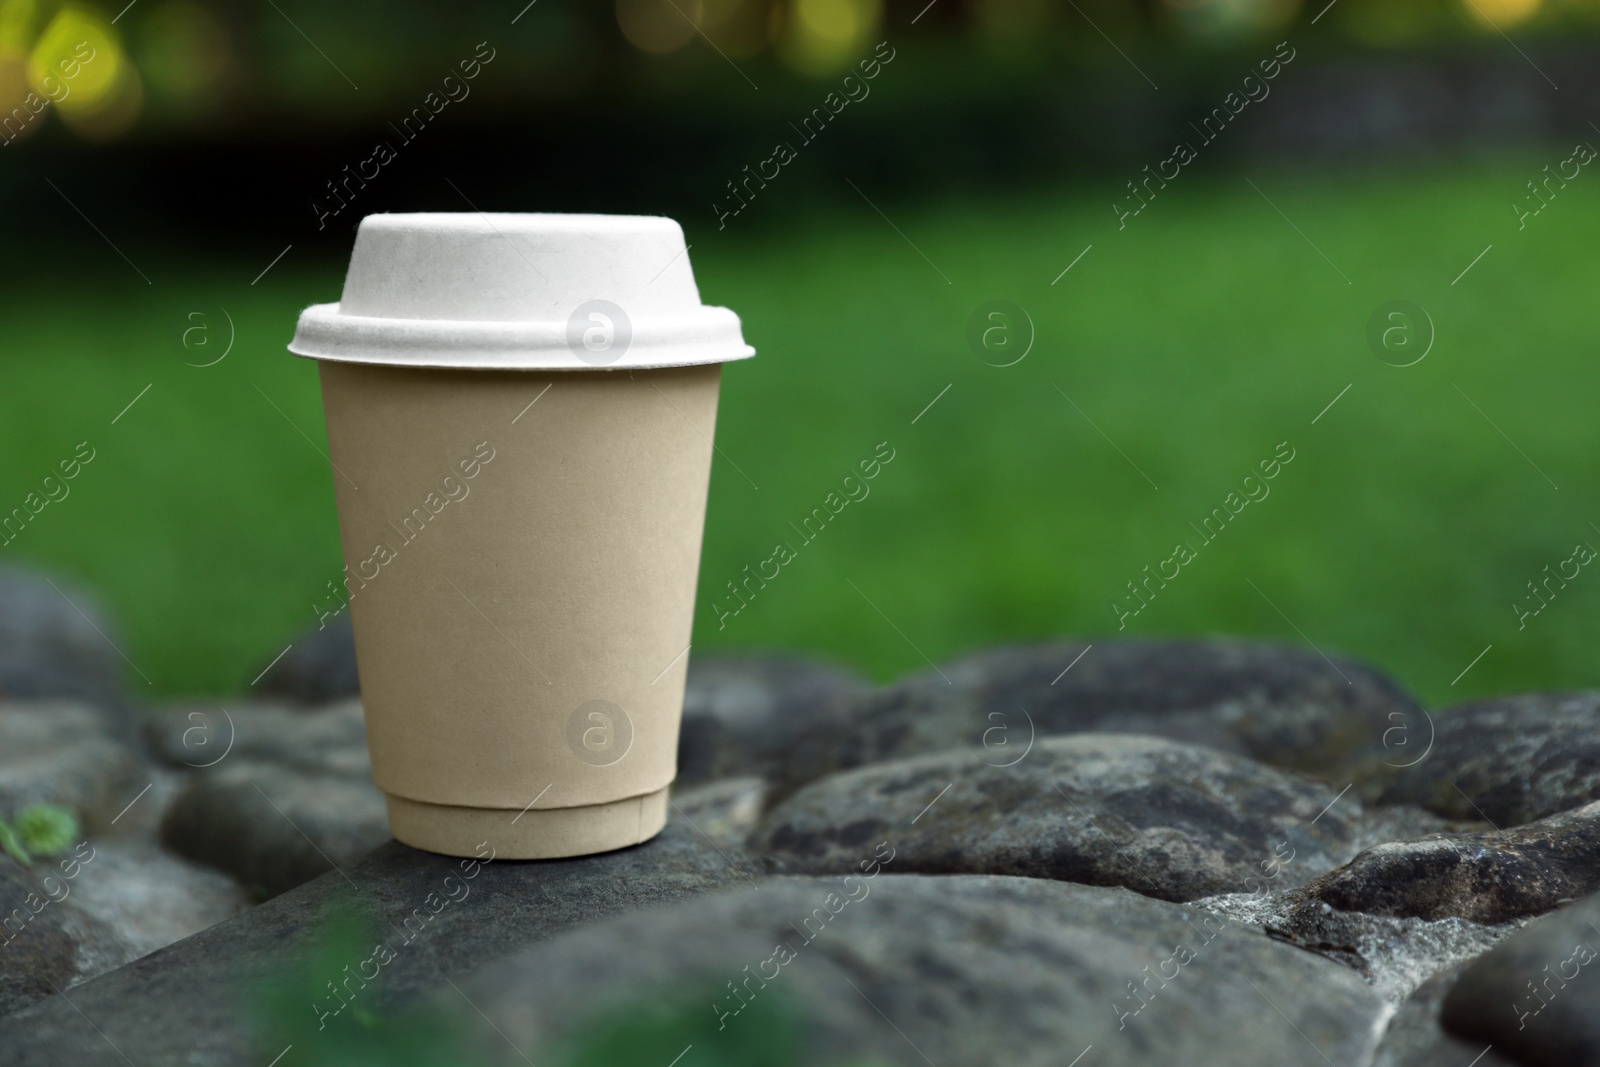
38, 830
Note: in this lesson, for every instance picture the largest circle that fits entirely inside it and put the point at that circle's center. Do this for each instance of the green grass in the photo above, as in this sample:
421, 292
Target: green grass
1196, 339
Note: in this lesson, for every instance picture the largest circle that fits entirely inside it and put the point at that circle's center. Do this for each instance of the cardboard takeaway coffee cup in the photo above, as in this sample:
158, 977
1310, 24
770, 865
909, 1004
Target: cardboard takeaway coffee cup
520, 411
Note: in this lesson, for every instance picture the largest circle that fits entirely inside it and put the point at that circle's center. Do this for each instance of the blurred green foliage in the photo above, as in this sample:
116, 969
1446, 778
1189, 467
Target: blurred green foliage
1196, 339
768, 1033
192, 68
321, 1013
301, 1015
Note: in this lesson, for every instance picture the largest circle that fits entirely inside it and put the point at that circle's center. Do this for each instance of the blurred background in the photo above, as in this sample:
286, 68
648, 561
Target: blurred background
982, 246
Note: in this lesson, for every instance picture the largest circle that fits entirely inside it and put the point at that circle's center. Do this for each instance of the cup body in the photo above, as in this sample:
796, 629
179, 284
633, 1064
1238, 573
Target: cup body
521, 552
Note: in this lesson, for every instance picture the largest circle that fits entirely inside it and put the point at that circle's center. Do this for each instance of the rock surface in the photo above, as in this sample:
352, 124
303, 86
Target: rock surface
1536, 995
742, 715
1414, 1037
1279, 704
725, 811
329, 738
1506, 760
196, 1001
1184, 887
1170, 820
285, 794
132, 898
291, 793
1490, 877
60, 752
56, 641
273, 827
1395, 956
111, 898
958, 970
37, 956
318, 666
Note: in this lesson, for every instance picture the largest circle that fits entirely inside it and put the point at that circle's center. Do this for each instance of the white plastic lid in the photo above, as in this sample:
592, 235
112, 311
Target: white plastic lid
520, 292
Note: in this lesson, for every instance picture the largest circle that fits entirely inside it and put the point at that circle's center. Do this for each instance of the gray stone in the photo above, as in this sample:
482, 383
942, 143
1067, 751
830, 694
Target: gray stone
110, 900
56, 641
1169, 820
1536, 995
1279, 704
330, 738
139, 819
742, 714
273, 827
1394, 955
37, 956
1414, 1037
182, 1004
956, 970
59, 752
319, 666
132, 898
1402, 822
725, 811
1506, 760
1487, 878
284, 792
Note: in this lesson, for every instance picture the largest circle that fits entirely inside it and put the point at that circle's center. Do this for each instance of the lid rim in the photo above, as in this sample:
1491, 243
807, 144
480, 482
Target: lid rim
698, 336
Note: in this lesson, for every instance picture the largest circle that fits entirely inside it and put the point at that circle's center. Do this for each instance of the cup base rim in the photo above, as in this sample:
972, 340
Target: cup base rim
532, 834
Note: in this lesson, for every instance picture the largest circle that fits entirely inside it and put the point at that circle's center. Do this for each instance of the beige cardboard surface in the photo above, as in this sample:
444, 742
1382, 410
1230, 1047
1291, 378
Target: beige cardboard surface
530, 835
522, 585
